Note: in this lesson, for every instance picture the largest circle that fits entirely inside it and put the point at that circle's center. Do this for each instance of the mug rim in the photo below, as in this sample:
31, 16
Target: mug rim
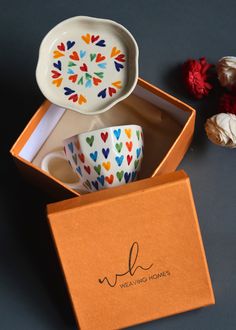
101, 129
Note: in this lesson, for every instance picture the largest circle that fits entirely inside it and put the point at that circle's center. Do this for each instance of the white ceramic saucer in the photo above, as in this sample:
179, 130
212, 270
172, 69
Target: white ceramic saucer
87, 64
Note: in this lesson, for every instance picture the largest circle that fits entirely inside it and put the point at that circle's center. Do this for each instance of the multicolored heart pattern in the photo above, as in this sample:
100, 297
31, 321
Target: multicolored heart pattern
82, 65
107, 157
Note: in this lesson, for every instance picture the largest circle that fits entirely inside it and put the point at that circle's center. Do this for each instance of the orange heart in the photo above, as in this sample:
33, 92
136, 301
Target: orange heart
117, 84
100, 57
74, 56
57, 82
128, 132
106, 165
109, 179
96, 81
129, 145
82, 99
57, 54
73, 78
115, 51
77, 144
86, 38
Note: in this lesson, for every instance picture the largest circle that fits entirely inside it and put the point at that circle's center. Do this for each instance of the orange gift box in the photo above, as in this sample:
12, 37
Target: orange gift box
133, 253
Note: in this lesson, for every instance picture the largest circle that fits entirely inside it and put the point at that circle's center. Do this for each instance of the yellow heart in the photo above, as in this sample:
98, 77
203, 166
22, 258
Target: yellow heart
115, 51
57, 82
128, 132
57, 54
117, 84
106, 165
82, 99
86, 38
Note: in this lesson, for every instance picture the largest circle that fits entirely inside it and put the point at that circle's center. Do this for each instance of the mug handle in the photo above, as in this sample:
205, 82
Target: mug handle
61, 155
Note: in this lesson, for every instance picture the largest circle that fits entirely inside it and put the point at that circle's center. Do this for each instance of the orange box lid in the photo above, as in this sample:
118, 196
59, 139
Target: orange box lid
133, 253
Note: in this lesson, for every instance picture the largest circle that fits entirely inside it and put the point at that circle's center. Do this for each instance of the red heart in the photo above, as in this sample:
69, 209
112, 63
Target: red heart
84, 67
74, 56
73, 97
73, 78
109, 179
129, 159
129, 145
120, 58
96, 81
87, 169
104, 136
61, 47
111, 91
55, 74
100, 57
81, 157
94, 38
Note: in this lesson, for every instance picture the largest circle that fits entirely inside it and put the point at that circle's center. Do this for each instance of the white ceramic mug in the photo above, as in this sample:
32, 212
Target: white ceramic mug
103, 158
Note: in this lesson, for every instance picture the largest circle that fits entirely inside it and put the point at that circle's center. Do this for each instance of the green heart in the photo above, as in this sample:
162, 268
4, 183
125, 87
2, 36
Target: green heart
88, 76
92, 57
138, 134
80, 81
98, 169
99, 74
120, 175
119, 146
136, 163
74, 156
90, 140
71, 64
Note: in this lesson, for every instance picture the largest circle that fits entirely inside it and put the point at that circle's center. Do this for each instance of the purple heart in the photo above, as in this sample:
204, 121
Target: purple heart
127, 177
101, 43
57, 65
105, 152
70, 44
95, 184
68, 91
118, 66
103, 93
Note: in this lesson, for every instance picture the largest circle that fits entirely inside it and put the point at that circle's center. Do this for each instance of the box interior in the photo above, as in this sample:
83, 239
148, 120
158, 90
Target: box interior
162, 122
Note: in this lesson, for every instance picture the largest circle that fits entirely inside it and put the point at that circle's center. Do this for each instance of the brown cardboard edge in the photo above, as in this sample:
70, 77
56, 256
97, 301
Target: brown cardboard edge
101, 197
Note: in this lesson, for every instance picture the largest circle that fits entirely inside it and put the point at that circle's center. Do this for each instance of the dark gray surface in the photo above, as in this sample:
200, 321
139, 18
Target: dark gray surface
32, 291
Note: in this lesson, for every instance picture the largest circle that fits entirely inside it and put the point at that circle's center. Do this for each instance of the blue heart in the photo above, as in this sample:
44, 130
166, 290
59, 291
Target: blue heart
95, 184
68, 91
119, 160
71, 147
101, 43
117, 133
118, 66
82, 53
88, 84
70, 44
70, 71
78, 169
57, 65
101, 179
133, 175
102, 93
94, 156
105, 152
138, 152
127, 177
102, 65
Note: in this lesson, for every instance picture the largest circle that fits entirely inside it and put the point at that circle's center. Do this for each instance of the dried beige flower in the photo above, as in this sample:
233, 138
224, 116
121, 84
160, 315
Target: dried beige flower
226, 71
221, 129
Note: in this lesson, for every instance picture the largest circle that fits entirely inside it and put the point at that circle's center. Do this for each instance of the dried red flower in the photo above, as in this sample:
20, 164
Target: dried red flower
195, 77
227, 103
